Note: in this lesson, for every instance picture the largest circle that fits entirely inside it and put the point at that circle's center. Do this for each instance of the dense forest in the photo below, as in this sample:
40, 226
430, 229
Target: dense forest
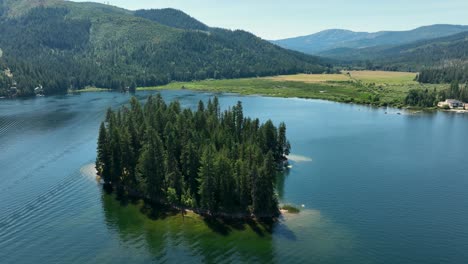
430, 98
67, 45
215, 162
455, 71
440, 60
172, 18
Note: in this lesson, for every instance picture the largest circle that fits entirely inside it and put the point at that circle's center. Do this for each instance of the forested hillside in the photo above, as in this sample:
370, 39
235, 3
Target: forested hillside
172, 18
441, 60
63, 45
345, 39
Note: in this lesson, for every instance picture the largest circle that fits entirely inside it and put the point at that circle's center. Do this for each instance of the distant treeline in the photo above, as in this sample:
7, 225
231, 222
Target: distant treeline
447, 74
212, 161
430, 98
440, 60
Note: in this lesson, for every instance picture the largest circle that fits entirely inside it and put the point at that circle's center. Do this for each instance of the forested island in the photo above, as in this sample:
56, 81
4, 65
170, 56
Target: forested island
215, 163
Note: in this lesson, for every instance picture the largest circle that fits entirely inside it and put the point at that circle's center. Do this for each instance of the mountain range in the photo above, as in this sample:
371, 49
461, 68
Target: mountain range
438, 52
327, 40
439, 60
62, 44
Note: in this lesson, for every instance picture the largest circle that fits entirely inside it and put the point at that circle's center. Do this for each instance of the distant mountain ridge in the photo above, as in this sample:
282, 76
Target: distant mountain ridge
411, 57
338, 38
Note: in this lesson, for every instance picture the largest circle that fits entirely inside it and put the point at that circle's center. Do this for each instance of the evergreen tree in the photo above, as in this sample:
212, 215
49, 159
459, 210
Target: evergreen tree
103, 155
207, 179
151, 168
283, 144
264, 199
454, 91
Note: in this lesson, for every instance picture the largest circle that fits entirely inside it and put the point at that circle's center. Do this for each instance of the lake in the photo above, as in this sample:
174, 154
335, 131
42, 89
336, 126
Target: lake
377, 187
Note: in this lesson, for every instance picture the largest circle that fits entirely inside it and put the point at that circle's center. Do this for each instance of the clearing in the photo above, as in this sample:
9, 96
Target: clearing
363, 87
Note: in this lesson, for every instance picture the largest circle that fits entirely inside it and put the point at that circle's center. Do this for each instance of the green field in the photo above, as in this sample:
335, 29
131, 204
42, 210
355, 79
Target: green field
362, 87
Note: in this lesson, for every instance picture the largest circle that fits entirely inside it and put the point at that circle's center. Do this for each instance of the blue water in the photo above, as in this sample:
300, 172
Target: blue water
377, 187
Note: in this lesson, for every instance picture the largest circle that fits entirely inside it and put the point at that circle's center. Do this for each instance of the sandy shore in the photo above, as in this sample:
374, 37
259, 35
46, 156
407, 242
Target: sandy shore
299, 158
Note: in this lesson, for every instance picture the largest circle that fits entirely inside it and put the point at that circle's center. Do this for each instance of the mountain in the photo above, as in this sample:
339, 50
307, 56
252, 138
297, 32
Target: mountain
61, 44
172, 18
321, 41
438, 60
345, 39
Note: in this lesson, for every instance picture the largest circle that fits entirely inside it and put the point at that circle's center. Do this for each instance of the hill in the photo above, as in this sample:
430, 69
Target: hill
438, 60
63, 45
172, 18
338, 38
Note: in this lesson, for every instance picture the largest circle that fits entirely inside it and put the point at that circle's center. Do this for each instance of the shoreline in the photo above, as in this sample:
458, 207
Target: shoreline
89, 170
413, 109
205, 214
167, 207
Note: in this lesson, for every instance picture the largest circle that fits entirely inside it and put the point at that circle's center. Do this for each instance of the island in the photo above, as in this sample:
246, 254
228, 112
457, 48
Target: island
213, 162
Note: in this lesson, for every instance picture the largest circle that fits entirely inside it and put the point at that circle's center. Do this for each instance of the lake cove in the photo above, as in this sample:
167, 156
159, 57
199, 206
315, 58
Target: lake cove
381, 188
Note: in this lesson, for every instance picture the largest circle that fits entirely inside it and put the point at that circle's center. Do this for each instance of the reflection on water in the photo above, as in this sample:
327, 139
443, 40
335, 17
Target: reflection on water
175, 237
280, 180
382, 188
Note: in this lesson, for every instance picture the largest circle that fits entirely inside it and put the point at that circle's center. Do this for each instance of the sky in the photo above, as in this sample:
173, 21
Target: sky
277, 19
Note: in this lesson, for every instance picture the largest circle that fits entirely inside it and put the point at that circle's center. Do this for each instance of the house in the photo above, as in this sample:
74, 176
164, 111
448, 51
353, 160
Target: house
39, 91
451, 103
13, 90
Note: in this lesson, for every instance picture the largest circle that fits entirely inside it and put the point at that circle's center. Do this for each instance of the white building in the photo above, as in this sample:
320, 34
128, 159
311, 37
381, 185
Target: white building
451, 103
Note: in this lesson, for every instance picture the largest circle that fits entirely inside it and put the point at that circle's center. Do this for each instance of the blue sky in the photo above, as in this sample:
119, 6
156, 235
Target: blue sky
275, 19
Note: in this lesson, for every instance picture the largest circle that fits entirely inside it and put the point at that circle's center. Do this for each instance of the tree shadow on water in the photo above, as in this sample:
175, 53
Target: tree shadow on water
261, 227
158, 211
217, 225
151, 210
222, 225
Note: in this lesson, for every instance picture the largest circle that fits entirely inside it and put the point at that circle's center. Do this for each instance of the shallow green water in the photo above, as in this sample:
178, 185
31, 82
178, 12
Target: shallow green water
377, 188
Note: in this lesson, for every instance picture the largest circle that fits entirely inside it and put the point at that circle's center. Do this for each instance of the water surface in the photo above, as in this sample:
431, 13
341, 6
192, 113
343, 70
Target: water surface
377, 188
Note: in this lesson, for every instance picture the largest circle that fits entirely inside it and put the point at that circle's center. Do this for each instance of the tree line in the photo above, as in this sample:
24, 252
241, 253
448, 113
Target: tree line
212, 161
445, 74
430, 98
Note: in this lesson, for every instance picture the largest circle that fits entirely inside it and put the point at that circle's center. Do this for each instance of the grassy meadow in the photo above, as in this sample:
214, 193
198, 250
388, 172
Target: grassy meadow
363, 87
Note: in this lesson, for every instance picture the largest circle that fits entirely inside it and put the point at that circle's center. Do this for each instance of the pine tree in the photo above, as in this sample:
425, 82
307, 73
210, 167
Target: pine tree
206, 176
284, 147
128, 159
454, 90
151, 168
103, 155
239, 118
264, 200
226, 184
189, 162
